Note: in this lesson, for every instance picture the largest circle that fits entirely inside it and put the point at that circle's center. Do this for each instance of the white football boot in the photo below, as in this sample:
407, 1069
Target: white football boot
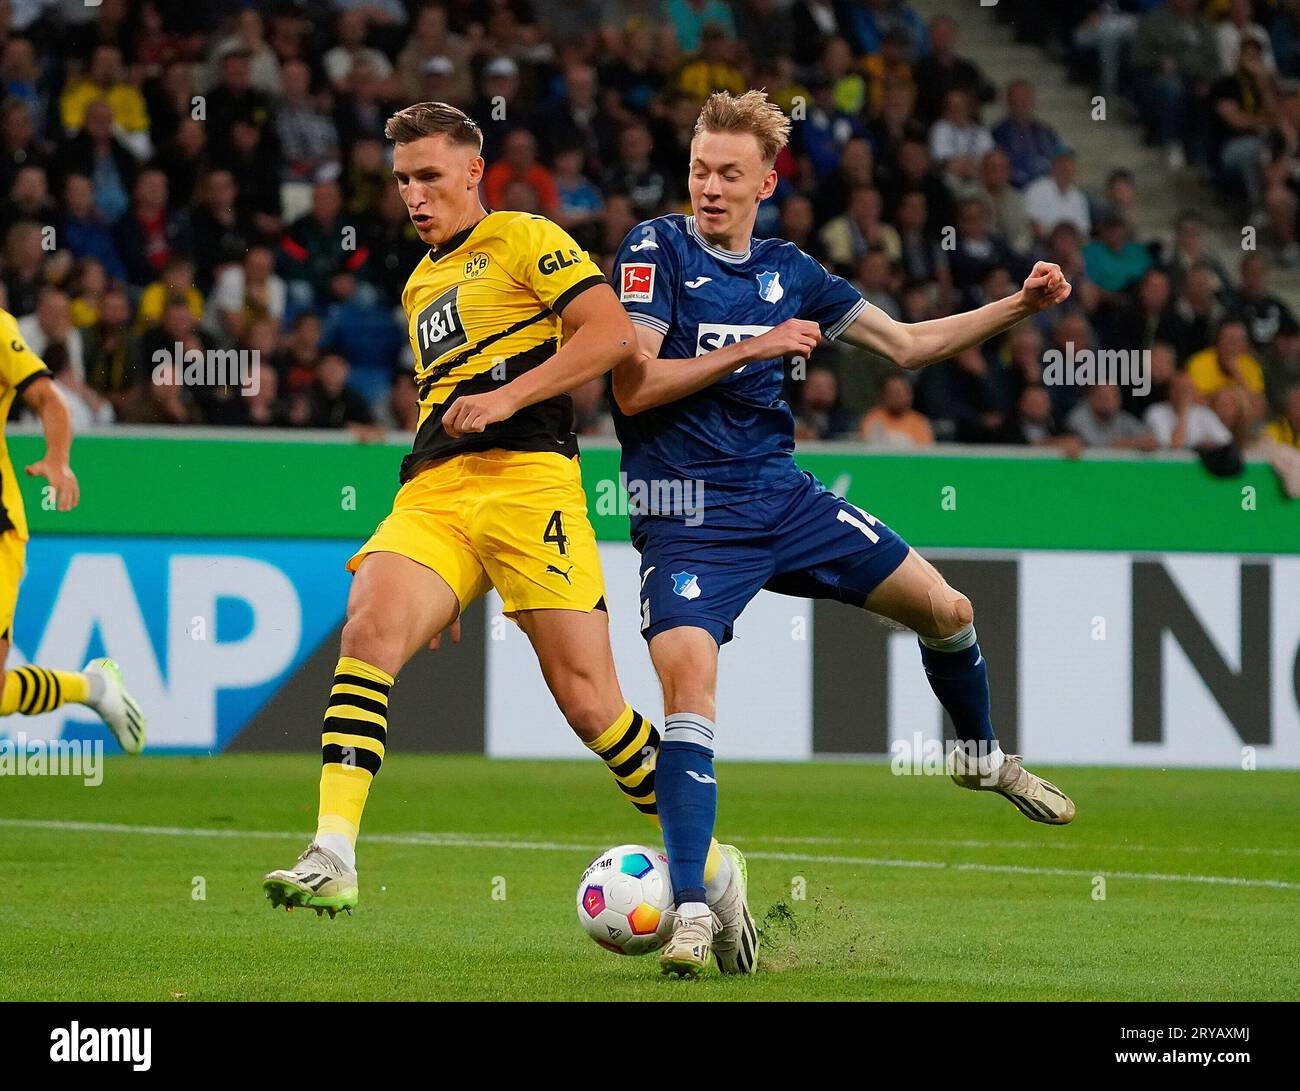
116, 707
686, 953
736, 945
1034, 797
319, 881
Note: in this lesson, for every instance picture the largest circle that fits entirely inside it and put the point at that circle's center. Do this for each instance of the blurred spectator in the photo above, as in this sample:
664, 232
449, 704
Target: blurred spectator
307, 134
96, 152
1142, 319
976, 251
1176, 59
19, 144
1238, 28
1182, 422
362, 331
518, 163
1028, 142
314, 248
106, 82
889, 65
1099, 421
921, 257
963, 398
28, 199
184, 158
246, 293
175, 280
818, 413
847, 83
395, 248
958, 143
713, 68
894, 423
51, 324
1004, 203
220, 234
86, 286
1229, 364
635, 174
1114, 260
298, 357
1196, 313
943, 70
85, 407
24, 263
233, 99
112, 355
1188, 248
150, 232
578, 201
1263, 313
249, 37
1031, 424
1285, 428
825, 130
339, 62
329, 402
430, 40
1055, 198
263, 407
1244, 113
875, 281
847, 238
692, 20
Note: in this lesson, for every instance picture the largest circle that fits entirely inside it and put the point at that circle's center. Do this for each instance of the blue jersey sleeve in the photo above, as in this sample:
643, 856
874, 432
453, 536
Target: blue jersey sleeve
646, 274
830, 301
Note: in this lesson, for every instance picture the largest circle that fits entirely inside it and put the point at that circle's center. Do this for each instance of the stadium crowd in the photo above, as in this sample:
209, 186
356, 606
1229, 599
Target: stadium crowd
215, 176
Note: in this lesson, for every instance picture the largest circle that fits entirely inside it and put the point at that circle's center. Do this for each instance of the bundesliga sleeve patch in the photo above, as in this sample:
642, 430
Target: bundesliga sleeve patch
637, 282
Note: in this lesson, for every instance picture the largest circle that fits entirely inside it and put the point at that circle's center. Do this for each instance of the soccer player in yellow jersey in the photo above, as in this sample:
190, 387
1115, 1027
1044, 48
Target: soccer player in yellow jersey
32, 690
506, 315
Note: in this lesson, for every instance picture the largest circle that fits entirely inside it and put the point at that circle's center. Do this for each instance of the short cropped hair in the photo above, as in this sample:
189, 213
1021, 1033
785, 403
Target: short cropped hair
747, 113
433, 119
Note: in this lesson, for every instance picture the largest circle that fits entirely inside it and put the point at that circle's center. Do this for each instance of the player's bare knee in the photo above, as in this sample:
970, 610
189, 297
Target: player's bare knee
368, 637
950, 612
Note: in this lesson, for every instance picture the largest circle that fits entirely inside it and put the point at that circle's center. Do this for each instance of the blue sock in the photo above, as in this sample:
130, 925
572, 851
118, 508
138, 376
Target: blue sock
687, 794
955, 668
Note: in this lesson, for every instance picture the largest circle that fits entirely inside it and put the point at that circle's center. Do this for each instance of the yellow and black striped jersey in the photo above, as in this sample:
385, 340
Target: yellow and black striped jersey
483, 308
19, 366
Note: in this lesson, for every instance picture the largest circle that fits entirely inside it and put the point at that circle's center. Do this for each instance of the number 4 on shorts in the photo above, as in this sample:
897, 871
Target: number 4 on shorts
555, 533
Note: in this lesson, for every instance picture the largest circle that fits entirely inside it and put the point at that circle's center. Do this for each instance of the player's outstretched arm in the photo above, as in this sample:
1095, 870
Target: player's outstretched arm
646, 381
602, 338
47, 402
914, 344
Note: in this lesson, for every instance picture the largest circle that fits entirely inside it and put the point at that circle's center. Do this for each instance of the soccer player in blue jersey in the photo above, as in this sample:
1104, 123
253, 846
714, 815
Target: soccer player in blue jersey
699, 414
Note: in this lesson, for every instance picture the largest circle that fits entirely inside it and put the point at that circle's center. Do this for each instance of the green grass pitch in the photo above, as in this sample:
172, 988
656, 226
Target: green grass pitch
913, 889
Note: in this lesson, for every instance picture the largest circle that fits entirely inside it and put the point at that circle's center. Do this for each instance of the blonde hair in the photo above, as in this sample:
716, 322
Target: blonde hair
433, 119
747, 113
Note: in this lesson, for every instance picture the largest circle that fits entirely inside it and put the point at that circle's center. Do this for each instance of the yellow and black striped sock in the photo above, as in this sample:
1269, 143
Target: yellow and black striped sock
630, 748
33, 690
352, 745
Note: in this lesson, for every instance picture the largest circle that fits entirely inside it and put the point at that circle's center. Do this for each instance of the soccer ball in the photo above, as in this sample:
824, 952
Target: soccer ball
623, 898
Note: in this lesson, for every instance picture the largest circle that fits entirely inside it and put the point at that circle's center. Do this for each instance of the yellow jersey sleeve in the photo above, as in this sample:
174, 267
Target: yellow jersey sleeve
553, 265
19, 365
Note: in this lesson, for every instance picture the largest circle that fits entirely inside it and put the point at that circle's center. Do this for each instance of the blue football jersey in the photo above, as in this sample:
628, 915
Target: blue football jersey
734, 438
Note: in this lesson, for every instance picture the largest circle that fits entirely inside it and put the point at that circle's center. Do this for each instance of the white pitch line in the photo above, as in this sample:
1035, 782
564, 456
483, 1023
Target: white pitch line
1064, 844
464, 840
